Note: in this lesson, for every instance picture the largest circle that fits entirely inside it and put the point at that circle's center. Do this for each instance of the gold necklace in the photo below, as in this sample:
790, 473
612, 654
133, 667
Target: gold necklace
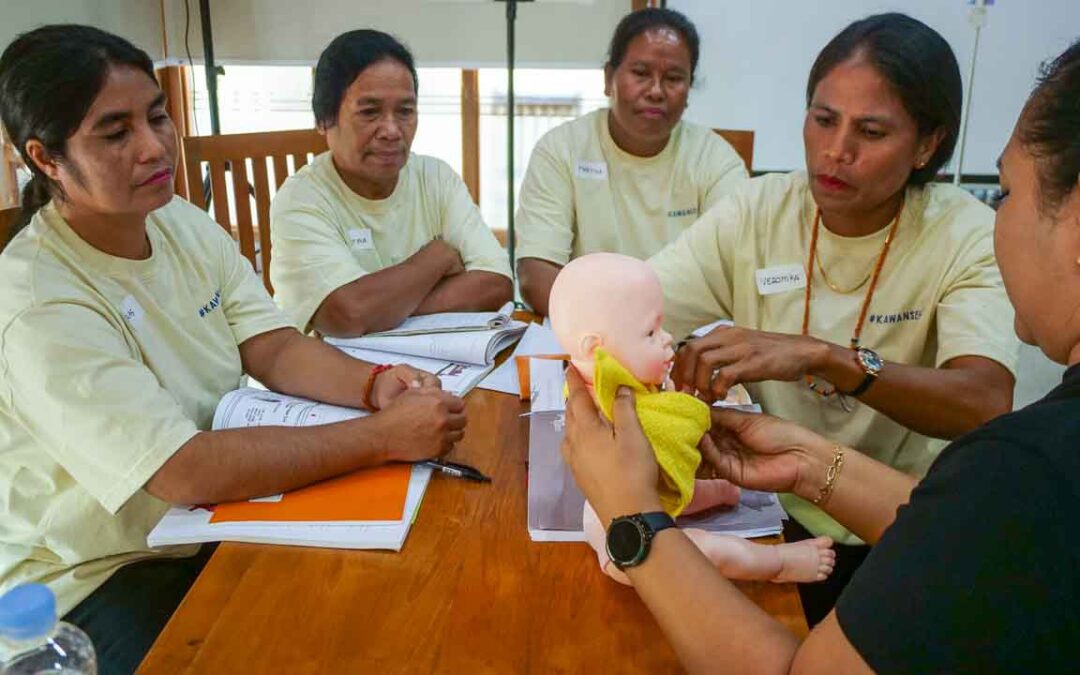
876, 274
834, 287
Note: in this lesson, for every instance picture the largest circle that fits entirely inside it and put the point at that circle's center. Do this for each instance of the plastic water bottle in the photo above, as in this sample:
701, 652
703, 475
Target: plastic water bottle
35, 642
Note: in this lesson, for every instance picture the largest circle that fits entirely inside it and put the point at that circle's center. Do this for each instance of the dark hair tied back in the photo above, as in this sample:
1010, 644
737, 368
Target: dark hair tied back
348, 55
920, 66
1050, 127
49, 78
636, 23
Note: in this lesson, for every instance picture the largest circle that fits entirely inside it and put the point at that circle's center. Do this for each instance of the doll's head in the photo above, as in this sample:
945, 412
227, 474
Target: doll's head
614, 302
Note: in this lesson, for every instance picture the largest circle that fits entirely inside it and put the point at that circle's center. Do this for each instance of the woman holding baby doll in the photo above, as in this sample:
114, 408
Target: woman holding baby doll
867, 300
974, 568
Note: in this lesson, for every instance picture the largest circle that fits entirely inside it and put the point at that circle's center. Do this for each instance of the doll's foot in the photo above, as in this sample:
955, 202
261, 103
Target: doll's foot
806, 561
711, 493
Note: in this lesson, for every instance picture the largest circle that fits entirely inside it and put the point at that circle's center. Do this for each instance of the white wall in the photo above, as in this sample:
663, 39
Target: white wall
756, 55
439, 32
136, 20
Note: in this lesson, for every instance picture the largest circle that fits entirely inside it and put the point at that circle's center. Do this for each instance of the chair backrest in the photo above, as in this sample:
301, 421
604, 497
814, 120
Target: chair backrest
246, 157
743, 142
7, 221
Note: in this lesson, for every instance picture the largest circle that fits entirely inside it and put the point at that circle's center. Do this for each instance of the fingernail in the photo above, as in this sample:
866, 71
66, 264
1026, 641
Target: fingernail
623, 391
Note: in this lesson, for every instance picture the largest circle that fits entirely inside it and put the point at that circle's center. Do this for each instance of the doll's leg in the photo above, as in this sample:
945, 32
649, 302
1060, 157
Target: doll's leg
596, 536
710, 493
737, 558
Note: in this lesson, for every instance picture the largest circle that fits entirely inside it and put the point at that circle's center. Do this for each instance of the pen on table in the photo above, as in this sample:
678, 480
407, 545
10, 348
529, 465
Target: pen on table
457, 470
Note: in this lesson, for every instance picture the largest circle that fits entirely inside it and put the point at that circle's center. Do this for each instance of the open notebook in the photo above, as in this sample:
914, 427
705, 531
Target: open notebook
451, 322
458, 347
373, 508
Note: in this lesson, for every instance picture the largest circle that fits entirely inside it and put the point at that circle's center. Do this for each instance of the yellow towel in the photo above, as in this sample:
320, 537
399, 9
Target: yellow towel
672, 421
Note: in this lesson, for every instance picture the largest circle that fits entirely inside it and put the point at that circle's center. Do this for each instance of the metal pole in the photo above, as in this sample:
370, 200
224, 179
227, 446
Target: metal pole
211, 67
511, 17
977, 18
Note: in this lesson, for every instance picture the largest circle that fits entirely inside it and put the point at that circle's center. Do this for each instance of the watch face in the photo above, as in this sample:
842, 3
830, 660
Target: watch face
624, 541
870, 360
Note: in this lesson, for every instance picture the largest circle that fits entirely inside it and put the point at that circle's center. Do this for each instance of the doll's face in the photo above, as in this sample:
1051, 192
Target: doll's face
613, 302
634, 336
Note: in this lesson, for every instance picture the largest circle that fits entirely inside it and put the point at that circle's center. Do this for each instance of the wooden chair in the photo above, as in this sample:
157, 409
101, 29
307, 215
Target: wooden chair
742, 142
7, 221
239, 154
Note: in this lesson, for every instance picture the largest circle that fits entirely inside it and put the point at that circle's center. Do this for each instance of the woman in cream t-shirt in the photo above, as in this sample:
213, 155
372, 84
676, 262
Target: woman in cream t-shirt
868, 301
631, 178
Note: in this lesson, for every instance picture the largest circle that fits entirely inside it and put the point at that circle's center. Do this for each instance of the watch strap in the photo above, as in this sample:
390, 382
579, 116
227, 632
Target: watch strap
648, 525
657, 521
867, 381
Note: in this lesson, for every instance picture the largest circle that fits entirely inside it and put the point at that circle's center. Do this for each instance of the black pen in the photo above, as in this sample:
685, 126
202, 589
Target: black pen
457, 470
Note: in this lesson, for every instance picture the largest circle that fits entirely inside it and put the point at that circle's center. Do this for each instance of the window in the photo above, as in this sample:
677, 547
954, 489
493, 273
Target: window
544, 99
278, 98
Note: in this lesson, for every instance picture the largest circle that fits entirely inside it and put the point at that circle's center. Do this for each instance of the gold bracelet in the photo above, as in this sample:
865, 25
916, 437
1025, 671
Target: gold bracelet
830, 476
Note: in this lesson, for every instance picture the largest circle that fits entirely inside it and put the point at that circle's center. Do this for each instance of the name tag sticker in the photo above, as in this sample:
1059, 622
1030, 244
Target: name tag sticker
780, 279
132, 311
593, 170
361, 239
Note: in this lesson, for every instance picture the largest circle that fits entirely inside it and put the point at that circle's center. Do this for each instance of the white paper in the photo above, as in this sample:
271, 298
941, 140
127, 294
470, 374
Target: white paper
710, 327
536, 340
250, 407
591, 170
555, 502
547, 380
456, 378
475, 347
780, 279
361, 239
183, 525
451, 322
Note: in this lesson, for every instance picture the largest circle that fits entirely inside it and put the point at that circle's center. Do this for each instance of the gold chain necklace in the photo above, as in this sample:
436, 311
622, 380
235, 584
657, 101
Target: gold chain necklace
875, 276
834, 287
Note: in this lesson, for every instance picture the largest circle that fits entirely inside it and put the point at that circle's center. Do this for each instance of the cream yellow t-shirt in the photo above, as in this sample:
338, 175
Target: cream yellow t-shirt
107, 367
323, 235
940, 296
583, 194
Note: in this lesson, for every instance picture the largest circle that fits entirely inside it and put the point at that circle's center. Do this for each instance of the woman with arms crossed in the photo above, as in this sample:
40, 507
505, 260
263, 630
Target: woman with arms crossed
629, 178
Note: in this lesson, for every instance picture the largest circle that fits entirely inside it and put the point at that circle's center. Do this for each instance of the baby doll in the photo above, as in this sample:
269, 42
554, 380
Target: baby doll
606, 311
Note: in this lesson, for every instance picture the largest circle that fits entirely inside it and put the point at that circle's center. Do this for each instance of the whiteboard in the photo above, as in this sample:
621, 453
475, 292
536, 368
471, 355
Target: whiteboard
756, 56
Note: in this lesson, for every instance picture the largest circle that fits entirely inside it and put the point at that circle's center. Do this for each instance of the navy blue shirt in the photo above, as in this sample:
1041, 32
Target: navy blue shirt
981, 570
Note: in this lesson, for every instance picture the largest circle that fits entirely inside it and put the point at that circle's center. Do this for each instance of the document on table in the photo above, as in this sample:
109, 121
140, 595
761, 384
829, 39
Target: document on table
451, 322
477, 347
537, 340
372, 508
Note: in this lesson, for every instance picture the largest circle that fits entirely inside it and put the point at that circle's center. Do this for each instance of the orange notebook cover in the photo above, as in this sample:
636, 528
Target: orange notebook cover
371, 494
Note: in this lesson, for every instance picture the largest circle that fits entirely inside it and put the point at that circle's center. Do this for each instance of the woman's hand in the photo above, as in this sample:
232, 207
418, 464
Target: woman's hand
713, 363
762, 452
420, 423
389, 384
613, 464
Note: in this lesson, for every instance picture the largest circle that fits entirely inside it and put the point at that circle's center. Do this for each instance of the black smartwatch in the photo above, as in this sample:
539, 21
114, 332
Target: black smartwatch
630, 537
871, 364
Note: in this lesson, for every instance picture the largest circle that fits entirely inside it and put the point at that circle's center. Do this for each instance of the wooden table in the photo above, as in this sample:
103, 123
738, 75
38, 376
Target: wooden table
468, 593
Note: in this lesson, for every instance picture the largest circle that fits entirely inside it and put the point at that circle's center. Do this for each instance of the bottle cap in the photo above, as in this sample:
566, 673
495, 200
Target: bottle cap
27, 612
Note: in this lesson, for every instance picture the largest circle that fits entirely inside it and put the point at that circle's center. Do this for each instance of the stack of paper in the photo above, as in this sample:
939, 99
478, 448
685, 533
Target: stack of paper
373, 508
537, 340
303, 517
458, 347
555, 502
